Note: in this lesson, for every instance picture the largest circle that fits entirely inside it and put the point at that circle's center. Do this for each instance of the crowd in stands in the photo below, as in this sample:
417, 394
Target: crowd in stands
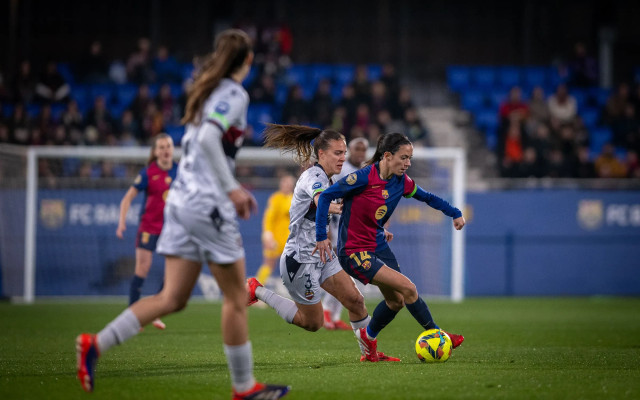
577, 131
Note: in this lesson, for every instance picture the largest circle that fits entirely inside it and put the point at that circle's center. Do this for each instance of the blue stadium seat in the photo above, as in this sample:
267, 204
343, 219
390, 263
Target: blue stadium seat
509, 76
57, 109
176, 90
124, 94
104, 90
248, 81
176, 132
483, 77
497, 96
33, 109
535, 76
472, 100
7, 110
599, 96
458, 78
318, 72
336, 92
154, 88
375, 71
491, 136
487, 119
187, 70
81, 94
344, 73
580, 96
598, 137
259, 114
555, 77
590, 116
282, 92
64, 69
298, 73
116, 109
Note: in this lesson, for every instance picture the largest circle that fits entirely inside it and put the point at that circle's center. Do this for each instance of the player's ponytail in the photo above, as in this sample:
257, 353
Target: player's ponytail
298, 139
391, 143
232, 47
152, 155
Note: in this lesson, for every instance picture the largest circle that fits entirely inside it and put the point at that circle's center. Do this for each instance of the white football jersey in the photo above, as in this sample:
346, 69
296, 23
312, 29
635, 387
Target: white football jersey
197, 186
302, 215
334, 221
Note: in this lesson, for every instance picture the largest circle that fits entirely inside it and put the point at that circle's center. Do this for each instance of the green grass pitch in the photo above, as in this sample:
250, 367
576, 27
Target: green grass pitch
522, 348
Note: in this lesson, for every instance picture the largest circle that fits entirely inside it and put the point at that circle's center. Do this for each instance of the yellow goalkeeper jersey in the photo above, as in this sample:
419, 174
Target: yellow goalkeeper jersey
276, 218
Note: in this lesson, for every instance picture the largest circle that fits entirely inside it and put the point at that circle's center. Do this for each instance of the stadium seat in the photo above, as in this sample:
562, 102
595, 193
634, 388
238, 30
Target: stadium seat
259, 114
81, 94
580, 96
375, 71
248, 81
497, 96
298, 73
64, 69
176, 132
33, 109
124, 94
509, 76
483, 77
535, 76
104, 90
458, 78
487, 119
598, 137
187, 70
282, 92
318, 72
344, 73
57, 109
176, 90
491, 136
7, 110
599, 96
590, 116
472, 100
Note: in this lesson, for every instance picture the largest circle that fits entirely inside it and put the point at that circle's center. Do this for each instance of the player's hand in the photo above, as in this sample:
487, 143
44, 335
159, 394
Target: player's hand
244, 202
458, 223
388, 236
335, 208
324, 250
120, 230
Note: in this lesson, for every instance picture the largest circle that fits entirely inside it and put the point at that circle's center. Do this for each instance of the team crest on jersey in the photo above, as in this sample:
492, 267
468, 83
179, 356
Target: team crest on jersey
366, 265
167, 180
308, 294
381, 212
222, 107
385, 194
351, 179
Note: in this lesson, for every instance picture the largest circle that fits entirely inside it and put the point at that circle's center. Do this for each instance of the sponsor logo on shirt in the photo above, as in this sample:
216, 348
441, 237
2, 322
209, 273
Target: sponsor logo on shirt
222, 107
381, 212
317, 185
351, 179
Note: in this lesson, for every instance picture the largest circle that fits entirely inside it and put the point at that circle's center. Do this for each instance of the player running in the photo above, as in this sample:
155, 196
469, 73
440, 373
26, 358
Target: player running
201, 221
303, 273
370, 196
154, 180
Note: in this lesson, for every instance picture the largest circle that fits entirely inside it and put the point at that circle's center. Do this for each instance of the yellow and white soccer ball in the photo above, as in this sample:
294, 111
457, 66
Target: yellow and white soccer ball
433, 345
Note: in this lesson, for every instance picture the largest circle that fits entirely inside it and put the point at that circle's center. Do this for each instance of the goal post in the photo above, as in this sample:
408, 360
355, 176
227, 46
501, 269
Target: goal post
69, 222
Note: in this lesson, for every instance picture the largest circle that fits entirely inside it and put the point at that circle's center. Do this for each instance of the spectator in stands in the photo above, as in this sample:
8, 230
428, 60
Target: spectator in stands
140, 102
562, 105
165, 67
4, 133
513, 149
263, 90
322, 104
72, 117
139, 63
152, 122
514, 106
635, 99
99, 118
583, 68
538, 110
361, 85
129, 124
363, 117
379, 99
625, 127
400, 104
24, 85
617, 102
607, 164
414, 129
531, 165
558, 166
296, 109
51, 86
5, 94
373, 132
350, 104
584, 167
167, 105
633, 165
94, 67
567, 141
45, 123
19, 126
391, 82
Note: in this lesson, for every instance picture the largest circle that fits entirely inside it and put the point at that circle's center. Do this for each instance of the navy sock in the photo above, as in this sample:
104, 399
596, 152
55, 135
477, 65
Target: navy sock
380, 318
421, 313
134, 289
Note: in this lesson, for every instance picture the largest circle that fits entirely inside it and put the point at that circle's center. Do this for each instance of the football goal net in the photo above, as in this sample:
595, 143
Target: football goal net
59, 210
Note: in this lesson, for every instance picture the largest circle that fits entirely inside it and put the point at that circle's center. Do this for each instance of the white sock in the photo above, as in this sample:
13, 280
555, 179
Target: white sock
285, 308
356, 325
332, 305
240, 362
125, 325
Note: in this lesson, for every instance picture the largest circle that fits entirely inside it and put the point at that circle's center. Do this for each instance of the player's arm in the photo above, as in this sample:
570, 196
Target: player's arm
439, 204
210, 141
125, 204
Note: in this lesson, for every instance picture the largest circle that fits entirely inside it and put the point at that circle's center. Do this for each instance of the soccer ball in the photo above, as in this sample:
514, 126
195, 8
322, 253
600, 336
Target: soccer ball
433, 346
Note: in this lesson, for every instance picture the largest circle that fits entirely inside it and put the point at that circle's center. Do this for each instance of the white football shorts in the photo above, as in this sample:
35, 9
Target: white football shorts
303, 280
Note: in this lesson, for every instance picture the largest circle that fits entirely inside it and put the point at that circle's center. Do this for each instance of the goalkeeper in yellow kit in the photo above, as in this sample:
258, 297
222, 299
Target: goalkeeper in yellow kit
275, 227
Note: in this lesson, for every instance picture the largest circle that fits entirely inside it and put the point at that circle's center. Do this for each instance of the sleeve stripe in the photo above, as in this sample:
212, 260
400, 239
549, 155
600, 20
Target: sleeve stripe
221, 119
315, 192
415, 189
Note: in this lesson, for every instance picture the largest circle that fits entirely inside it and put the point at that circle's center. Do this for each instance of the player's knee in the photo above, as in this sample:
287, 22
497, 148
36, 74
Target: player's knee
409, 292
174, 304
355, 303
